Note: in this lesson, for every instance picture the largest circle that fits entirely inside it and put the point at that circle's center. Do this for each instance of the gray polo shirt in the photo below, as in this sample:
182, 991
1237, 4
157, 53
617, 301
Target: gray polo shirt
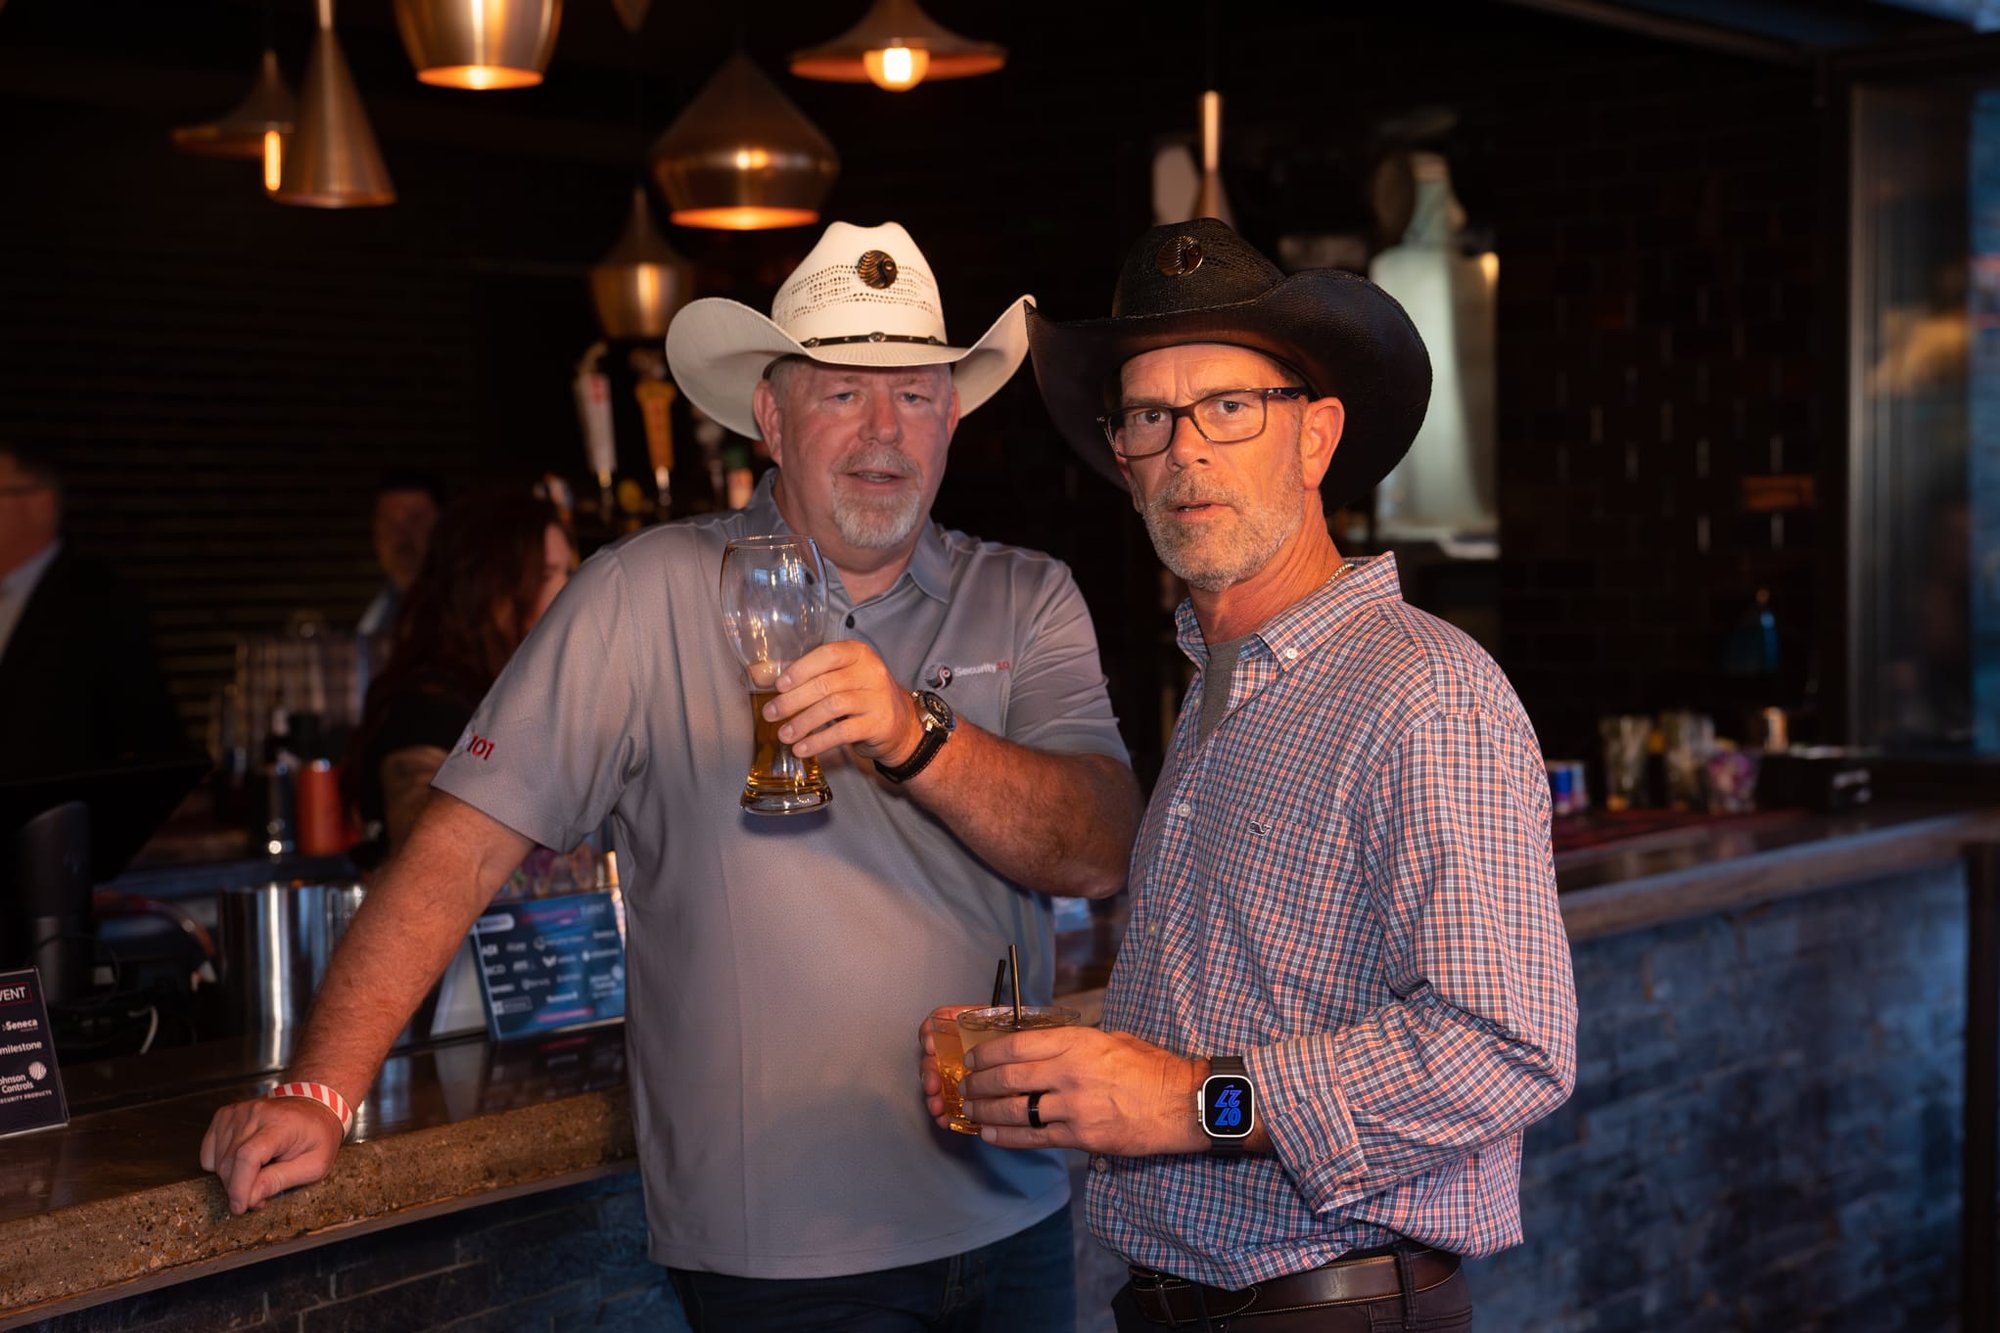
780, 966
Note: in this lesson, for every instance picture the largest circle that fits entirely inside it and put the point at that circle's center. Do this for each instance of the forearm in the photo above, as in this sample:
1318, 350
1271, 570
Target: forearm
416, 912
1055, 823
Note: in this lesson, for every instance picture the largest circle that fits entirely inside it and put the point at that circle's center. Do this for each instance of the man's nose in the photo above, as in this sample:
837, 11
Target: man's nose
1187, 445
881, 421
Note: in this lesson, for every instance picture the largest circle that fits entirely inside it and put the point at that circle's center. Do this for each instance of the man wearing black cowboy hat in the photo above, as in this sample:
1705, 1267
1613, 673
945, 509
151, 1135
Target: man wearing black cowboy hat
1345, 986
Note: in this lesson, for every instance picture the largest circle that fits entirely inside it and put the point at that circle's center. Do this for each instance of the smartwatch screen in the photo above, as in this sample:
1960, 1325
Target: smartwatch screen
1227, 1106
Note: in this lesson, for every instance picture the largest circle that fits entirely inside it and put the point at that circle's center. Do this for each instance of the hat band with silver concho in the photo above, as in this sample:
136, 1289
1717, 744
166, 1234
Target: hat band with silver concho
871, 278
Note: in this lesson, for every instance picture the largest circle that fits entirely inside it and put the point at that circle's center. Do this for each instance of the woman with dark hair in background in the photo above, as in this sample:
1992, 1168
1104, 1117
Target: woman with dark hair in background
495, 563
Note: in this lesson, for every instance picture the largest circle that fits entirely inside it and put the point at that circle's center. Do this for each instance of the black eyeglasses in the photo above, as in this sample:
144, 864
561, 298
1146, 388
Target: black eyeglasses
1229, 417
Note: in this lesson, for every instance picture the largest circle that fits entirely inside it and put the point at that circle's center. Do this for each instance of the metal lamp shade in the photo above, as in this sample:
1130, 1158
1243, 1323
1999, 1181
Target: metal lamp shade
642, 281
330, 159
269, 108
479, 43
892, 24
741, 157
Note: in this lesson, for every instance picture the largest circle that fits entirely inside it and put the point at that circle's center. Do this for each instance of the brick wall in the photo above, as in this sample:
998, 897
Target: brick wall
1765, 1132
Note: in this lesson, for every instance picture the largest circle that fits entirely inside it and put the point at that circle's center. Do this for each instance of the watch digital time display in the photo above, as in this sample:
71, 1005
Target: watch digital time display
1228, 1104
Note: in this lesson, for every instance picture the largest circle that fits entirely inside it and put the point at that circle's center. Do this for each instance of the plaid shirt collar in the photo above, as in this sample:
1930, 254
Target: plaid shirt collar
1296, 632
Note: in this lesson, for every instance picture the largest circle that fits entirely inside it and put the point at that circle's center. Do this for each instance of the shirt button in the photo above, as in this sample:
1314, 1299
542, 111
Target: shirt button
1099, 1164
1184, 809
1291, 653
850, 620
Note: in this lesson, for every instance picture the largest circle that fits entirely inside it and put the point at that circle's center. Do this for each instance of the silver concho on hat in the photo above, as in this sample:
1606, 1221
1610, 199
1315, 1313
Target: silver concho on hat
1179, 257
876, 269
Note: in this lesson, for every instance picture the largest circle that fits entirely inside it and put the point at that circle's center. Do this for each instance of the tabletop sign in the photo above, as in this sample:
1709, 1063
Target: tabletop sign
550, 963
31, 1094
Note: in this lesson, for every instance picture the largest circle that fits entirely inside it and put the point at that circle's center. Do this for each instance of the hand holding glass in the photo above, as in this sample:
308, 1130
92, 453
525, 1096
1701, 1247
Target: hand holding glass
978, 1026
774, 610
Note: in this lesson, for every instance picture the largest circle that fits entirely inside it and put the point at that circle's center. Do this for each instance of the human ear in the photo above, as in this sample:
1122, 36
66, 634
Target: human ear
1319, 437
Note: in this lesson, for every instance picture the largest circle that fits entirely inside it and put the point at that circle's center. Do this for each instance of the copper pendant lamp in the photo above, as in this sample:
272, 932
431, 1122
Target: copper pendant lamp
1210, 200
632, 13
479, 43
254, 128
641, 281
897, 46
330, 158
742, 157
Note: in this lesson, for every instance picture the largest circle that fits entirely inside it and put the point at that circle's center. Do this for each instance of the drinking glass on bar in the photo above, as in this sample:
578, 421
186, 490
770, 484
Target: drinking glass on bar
774, 609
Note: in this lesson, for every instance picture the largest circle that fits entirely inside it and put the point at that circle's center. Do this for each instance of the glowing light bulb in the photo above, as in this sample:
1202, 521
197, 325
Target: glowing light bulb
274, 159
897, 68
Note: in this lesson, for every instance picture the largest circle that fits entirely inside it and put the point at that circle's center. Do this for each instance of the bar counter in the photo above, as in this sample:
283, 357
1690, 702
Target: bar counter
115, 1204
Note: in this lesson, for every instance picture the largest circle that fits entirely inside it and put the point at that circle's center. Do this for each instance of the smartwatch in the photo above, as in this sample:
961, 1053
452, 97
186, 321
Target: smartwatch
939, 722
1227, 1105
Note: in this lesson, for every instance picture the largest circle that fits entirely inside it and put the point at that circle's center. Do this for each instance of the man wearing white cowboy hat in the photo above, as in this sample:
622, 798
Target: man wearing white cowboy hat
1345, 986
960, 715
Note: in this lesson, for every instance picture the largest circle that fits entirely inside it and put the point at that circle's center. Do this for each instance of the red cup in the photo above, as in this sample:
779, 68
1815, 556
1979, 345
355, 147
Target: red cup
322, 827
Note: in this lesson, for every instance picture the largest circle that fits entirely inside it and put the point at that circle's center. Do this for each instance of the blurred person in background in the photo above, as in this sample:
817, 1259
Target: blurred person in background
80, 686
407, 505
495, 563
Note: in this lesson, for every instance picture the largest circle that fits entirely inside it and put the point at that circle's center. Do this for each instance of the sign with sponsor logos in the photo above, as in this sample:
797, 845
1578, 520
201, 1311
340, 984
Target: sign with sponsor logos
31, 1093
550, 963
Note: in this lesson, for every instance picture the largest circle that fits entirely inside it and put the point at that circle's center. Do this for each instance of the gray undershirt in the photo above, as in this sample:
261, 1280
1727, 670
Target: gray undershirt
1215, 681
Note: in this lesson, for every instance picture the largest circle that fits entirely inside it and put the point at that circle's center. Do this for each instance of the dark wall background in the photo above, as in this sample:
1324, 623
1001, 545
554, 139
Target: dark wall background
224, 378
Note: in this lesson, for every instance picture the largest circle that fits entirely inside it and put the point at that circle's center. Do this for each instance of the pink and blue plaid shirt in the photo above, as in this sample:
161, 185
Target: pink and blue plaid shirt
1349, 885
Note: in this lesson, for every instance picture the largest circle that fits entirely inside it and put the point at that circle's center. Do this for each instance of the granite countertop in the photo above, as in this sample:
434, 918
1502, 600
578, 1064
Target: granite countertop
117, 1203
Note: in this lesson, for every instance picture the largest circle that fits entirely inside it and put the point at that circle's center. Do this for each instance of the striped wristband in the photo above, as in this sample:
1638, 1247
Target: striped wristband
325, 1096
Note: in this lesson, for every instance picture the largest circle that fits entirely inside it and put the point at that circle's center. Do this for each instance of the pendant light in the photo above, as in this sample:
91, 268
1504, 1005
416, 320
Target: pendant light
641, 281
479, 44
1210, 201
632, 13
254, 128
330, 159
742, 157
897, 46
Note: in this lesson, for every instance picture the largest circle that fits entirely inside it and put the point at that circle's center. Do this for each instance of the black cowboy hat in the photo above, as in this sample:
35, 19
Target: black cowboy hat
1199, 282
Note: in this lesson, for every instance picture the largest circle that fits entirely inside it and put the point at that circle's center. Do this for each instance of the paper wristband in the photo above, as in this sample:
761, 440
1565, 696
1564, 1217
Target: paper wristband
322, 1094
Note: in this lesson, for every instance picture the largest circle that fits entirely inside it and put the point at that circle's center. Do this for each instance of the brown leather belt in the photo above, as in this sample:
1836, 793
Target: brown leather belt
1165, 1299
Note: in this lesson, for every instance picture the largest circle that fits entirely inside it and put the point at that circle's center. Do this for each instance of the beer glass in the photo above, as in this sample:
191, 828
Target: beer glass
774, 609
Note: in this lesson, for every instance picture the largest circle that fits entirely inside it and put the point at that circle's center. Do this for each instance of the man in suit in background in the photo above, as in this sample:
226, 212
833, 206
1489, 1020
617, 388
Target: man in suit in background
80, 687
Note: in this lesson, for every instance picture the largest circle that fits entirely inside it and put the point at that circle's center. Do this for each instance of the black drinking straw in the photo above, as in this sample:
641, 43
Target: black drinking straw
1014, 965
999, 983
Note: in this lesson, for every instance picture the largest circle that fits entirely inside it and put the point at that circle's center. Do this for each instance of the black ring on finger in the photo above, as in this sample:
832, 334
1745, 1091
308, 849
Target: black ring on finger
1035, 1111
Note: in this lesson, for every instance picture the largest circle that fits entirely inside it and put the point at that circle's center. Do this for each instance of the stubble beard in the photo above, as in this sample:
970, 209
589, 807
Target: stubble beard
1212, 557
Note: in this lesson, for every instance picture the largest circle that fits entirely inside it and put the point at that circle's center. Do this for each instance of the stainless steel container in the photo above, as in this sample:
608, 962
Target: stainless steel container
276, 942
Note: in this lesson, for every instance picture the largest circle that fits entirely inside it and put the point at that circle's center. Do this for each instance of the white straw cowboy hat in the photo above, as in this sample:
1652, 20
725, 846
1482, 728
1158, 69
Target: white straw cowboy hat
863, 297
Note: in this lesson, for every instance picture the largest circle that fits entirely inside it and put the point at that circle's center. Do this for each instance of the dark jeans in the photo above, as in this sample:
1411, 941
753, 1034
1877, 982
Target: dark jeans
1445, 1308
1023, 1284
